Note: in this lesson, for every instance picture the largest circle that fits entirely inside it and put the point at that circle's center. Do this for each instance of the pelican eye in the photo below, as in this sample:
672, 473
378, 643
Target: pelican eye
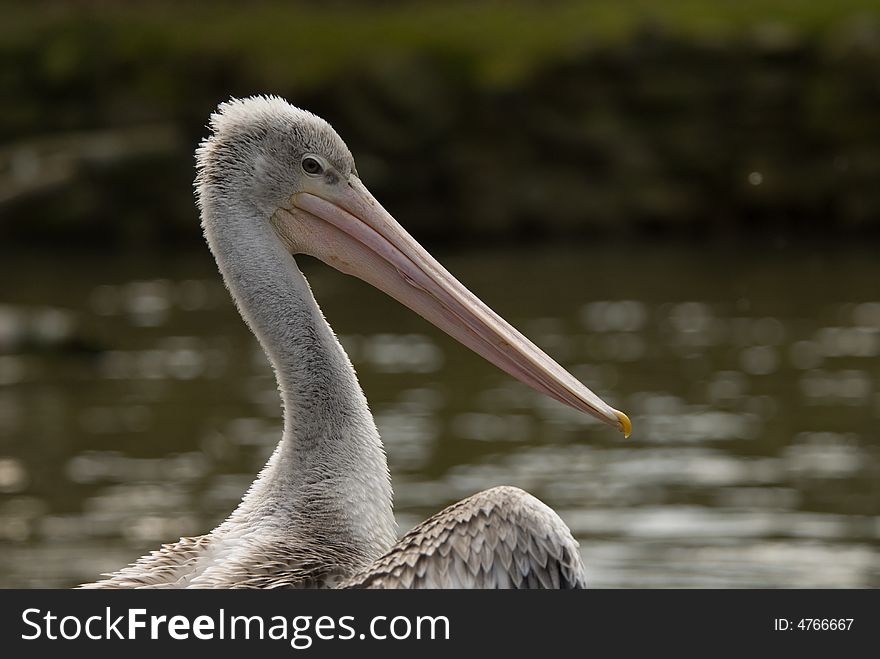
311, 166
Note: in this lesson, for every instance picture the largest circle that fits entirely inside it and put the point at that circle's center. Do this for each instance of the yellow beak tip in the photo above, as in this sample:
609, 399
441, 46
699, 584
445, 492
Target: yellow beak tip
625, 424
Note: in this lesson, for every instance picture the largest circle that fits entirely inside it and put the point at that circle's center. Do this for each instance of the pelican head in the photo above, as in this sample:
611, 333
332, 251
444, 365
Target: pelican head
299, 177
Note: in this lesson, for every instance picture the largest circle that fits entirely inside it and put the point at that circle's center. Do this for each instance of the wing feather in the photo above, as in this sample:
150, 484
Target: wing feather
498, 538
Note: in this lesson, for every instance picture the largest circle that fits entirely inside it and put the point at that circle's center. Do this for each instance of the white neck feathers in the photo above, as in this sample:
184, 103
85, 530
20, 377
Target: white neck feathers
327, 481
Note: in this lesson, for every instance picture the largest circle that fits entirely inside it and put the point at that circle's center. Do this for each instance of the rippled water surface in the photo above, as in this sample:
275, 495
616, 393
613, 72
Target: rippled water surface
135, 408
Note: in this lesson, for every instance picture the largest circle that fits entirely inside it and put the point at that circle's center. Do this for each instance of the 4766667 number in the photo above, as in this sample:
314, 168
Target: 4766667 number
813, 624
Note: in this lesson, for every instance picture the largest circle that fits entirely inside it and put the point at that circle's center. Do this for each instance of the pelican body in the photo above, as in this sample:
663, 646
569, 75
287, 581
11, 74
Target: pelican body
273, 182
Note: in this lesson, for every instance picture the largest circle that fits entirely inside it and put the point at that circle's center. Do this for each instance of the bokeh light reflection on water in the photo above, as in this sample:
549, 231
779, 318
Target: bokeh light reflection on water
135, 408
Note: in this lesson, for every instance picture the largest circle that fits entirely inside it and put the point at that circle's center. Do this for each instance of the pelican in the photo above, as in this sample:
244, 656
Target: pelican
275, 181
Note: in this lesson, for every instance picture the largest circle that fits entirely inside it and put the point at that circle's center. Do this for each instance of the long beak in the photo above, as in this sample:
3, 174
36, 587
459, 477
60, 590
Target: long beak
347, 228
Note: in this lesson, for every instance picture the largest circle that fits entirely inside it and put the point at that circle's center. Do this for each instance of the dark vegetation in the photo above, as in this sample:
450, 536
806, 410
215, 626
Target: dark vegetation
479, 121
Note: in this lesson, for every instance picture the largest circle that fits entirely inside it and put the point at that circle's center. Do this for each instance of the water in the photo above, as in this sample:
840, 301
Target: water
136, 408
